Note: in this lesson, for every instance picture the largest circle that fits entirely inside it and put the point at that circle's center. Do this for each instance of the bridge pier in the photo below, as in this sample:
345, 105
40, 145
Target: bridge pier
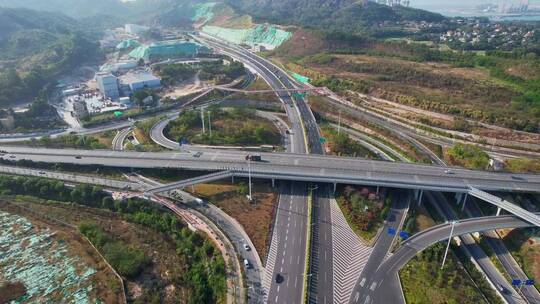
273, 183
464, 201
419, 197
498, 211
335, 187
232, 179
377, 190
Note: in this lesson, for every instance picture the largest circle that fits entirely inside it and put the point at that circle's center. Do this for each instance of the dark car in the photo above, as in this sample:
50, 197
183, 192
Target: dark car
279, 278
78, 157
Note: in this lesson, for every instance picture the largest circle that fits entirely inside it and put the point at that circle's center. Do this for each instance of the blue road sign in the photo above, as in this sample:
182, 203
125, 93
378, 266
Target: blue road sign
183, 141
516, 282
529, 282
391, 231
404, 235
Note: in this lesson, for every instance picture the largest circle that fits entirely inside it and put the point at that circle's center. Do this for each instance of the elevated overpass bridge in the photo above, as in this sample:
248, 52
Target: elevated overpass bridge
301, 167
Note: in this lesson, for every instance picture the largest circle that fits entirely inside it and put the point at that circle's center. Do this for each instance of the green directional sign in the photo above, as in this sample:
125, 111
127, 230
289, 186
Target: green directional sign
322, 140
300, 95
118, 114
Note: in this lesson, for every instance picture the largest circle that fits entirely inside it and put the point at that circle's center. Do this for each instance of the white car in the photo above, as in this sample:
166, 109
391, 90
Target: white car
448, 172
246, 263
246, 247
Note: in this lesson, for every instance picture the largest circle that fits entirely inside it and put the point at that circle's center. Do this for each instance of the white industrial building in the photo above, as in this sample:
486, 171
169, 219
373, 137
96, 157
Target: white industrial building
135, 29
108, 85
140, 80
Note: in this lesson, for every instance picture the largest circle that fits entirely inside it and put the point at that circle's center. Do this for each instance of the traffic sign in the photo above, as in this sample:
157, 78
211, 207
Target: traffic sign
322, 140
404, 235
529, 282
516, 282
391, 231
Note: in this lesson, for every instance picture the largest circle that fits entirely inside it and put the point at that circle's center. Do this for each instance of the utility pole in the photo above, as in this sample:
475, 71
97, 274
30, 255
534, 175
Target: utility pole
209, 124
448, 245
339, 123
202, 120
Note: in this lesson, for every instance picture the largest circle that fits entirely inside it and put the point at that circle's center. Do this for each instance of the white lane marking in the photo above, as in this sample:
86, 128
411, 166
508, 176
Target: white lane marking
362, 282
295, 282
373, 286
282, 260
356, 296
290, 260
298, 260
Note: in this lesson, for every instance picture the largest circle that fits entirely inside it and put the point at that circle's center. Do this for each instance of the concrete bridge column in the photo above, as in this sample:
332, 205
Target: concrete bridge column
377, 189
335, 187
464, 201
498, 211
273, 183
419, 196
232, 178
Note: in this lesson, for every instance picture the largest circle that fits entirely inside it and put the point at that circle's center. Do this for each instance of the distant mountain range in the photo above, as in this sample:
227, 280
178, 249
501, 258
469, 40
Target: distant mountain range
345, 15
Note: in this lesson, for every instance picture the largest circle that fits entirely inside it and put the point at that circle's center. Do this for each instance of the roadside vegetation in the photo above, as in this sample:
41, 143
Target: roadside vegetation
95, 141
342, 144
364, 209
202, 274
141, 132
523, 165
255, 217
235, 126
424, 282
525, 248
468, 156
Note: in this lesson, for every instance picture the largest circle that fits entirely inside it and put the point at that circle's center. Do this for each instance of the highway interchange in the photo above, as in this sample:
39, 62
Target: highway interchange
296, 169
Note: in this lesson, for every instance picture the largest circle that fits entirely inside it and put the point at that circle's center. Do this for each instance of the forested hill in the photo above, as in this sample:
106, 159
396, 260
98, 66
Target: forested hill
35, 48
342, 15
15, 20
46, 37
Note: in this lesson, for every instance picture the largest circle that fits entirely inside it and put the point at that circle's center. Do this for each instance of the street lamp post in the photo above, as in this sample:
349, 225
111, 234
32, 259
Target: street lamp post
250, 198
448, 245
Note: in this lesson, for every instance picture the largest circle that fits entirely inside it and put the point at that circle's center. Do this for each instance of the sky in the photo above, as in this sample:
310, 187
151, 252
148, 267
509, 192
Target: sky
449, 6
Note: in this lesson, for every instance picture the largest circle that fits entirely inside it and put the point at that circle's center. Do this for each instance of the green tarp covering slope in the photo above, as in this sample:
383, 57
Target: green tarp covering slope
167, 49
266, 35
300, 78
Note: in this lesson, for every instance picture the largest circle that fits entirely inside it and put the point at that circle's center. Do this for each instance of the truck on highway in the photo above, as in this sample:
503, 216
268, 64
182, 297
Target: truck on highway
254, 157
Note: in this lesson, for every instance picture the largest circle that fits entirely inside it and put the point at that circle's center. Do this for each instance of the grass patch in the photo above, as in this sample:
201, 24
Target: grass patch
238, 126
